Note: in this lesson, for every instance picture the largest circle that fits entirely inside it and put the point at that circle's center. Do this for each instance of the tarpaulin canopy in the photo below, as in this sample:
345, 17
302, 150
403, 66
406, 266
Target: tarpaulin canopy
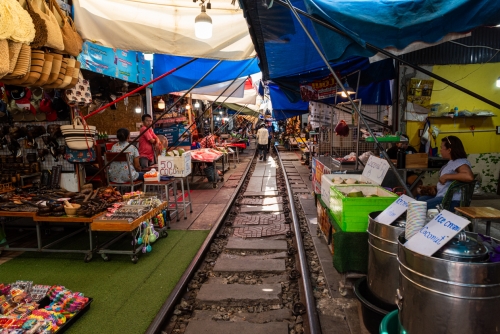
277, 34
248, 110
187, 76
164, 26
282, 107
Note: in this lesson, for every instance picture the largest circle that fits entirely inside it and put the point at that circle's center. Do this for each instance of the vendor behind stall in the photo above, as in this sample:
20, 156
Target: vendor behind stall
209, 141
196, 142
118, 171
147, 143
393, 151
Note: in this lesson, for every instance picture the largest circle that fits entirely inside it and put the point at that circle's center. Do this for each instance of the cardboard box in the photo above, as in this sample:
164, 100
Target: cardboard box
417, 160
351, 213
174, 166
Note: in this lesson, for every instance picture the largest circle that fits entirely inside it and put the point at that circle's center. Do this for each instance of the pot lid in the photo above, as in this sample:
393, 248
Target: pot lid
463, 247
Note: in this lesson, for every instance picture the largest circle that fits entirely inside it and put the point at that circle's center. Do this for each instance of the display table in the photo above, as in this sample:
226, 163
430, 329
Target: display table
127, 229
157, 186
39, 220
476, 213
198, 171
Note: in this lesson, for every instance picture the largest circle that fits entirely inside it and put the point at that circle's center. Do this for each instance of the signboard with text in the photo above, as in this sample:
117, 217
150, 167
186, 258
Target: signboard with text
319, 89
396, 209
436, 233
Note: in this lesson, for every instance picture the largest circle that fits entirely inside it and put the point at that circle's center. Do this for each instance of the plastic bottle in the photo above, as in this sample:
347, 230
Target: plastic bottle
456, 111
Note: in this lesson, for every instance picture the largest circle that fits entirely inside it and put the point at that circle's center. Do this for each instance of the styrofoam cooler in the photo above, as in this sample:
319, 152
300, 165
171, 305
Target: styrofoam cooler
174, 166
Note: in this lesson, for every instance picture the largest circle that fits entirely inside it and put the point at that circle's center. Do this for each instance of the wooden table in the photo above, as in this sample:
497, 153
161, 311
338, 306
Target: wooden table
476, 213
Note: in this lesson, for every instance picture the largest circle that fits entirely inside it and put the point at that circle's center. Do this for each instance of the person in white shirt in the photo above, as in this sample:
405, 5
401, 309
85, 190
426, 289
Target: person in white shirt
262, 140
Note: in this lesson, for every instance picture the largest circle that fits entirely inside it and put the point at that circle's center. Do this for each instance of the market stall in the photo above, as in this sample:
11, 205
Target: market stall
205, 164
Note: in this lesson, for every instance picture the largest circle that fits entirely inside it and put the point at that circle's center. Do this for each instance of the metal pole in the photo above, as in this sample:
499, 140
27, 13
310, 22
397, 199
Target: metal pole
140, 88
369, 46
361, 117
154, 122
149, 101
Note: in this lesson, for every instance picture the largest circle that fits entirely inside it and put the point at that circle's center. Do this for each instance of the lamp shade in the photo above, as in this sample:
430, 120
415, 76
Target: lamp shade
203, 25
161, 104
347, 88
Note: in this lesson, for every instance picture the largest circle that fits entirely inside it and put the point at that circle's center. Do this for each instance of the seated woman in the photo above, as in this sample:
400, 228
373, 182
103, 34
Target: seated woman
457, 169
118, 171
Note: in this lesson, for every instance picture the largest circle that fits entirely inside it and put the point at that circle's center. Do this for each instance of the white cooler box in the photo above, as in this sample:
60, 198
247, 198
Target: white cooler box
174, 166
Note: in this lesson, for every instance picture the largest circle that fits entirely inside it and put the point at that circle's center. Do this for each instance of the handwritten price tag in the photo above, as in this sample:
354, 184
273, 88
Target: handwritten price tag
376, 169
437, 233
396, 209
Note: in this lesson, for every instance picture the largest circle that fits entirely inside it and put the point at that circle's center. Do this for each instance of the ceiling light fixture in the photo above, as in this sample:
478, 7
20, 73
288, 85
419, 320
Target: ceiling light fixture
197, 104
203, 25
161, 104
138, 109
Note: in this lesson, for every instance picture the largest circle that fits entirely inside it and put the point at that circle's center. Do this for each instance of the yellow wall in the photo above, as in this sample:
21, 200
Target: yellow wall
480, 79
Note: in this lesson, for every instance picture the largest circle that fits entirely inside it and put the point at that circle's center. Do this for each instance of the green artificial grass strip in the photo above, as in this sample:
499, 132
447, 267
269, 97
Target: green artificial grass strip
126, 296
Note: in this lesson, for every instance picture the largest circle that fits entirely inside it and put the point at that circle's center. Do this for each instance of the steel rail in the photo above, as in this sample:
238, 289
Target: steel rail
312, 314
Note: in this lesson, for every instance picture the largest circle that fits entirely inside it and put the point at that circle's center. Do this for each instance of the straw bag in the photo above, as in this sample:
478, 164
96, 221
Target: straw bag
4, 58
14, 49
23, 63
79, 95
37, 62
56, 68
47, 67
59, 76
54, 36
76, 75
68, 76
24, 29
40, 27
79, 135
71, 38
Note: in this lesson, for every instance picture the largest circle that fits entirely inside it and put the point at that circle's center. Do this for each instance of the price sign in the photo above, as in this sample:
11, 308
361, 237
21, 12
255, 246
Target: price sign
437, 233
376, 169
396, 209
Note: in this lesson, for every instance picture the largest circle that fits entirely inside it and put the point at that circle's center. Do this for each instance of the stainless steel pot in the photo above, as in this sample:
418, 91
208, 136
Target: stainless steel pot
383, 266
442, 296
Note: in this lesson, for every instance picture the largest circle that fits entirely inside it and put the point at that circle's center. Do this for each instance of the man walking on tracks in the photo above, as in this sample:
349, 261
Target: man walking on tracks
262, 140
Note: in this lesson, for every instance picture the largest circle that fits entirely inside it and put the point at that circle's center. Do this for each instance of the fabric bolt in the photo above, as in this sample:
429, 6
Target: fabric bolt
145, 147
118, 171
450, 168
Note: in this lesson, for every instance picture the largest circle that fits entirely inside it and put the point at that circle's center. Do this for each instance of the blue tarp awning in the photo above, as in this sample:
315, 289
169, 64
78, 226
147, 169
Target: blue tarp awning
187, 76
277, 34
282, 107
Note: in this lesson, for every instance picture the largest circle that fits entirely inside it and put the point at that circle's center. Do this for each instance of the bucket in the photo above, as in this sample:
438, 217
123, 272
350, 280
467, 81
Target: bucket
437, 295
391, 325
383, 266
372, 309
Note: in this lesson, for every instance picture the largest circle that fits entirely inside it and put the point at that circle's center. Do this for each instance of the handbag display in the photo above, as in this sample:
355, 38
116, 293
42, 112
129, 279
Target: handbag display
71, 38
40, 27
80, 94
54, 35
4, 58
79, 135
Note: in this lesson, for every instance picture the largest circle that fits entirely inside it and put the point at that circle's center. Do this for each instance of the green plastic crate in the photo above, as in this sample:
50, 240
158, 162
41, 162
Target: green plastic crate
351, 213
385, 139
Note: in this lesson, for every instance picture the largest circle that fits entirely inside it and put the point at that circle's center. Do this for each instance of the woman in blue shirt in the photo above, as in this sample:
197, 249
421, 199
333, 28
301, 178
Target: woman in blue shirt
457, 169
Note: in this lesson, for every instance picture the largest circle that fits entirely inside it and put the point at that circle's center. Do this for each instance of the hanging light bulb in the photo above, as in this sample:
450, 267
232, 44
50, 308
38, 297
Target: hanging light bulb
347, 88
203, 25
161, 104
498, 82
138, 109
188, 106
197, 105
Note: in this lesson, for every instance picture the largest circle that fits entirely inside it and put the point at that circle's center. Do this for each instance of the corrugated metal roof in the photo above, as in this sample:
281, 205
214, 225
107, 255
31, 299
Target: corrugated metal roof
484, 46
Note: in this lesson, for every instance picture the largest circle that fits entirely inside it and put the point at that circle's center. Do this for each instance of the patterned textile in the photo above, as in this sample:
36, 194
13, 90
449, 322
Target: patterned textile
208, 142
118, 171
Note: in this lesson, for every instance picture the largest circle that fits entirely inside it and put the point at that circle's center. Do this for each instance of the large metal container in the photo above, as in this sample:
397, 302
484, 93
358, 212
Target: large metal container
383, 266
437, 295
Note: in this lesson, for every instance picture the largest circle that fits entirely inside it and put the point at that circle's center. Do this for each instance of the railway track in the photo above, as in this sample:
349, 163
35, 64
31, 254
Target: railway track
251, 274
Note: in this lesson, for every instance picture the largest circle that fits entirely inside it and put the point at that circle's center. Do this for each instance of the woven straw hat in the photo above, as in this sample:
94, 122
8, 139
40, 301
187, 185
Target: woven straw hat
37, 61
4, 58
56, 68
47, 67
22, 64
68, 76
24, 29
14, 49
